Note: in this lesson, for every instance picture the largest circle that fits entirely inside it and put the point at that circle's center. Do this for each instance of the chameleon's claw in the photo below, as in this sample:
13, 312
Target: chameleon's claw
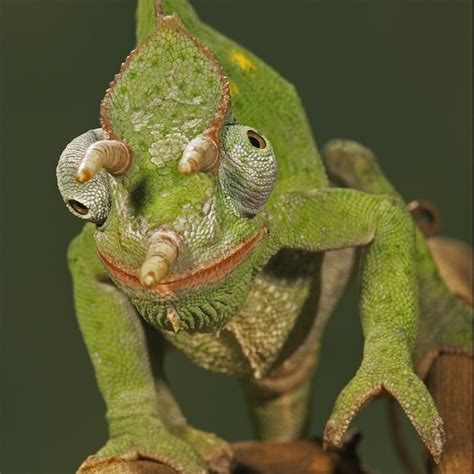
112, 155
405, 386
419, 407
216, 452
200, 154
163, 251
357, 394
147, 442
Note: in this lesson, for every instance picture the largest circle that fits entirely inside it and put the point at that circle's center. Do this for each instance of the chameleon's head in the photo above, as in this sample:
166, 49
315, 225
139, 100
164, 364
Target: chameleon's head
176, 188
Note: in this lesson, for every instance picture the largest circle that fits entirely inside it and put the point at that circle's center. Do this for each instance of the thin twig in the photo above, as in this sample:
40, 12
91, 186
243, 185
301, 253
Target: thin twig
397, 438
159, 12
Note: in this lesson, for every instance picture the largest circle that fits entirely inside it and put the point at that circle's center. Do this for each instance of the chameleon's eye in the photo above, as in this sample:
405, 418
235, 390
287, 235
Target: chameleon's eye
256, 140
248, 169
78, 207
90, 200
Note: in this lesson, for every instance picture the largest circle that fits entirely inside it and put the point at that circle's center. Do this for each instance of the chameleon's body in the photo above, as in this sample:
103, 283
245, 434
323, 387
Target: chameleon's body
254, 275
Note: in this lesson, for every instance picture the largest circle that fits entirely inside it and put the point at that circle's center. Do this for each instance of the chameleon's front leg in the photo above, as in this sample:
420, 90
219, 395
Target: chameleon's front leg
335, 218
445, 319
115, 340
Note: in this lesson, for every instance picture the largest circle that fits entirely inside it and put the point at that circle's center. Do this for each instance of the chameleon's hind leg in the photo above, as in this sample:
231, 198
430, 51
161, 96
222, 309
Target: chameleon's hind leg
279, 406
350, 164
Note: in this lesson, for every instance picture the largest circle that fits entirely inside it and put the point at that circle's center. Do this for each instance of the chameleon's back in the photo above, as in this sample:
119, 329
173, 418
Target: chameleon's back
261, 98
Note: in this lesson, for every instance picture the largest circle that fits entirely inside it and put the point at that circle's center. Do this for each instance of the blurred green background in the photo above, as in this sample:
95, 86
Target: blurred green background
394, 75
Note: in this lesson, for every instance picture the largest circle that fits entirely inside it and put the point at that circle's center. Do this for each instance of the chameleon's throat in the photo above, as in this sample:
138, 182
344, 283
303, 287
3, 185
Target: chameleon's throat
211, 273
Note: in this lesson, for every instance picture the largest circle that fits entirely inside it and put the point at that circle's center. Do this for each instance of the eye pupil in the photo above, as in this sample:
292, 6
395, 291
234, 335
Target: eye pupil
256, 140
79, 207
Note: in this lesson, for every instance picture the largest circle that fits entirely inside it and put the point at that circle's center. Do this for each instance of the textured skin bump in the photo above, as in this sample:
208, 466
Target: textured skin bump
163, 250
112, 155
200, 154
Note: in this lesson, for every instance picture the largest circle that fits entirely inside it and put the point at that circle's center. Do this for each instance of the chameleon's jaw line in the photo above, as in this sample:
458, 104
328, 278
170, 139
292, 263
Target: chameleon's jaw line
163, 251
112, 155
174, 283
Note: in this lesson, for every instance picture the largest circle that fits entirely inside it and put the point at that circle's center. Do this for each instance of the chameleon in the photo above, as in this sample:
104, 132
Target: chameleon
212, 219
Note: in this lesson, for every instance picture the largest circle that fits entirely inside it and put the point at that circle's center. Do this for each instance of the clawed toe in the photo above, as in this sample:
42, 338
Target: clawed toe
118, 465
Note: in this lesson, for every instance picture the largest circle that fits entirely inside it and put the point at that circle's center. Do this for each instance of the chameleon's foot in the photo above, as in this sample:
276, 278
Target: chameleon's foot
387, 374
216, 452
116, 465
352, 164
146, 441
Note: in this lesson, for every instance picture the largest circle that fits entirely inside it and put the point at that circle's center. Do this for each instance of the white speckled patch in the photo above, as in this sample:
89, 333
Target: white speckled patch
140, 120
167, 148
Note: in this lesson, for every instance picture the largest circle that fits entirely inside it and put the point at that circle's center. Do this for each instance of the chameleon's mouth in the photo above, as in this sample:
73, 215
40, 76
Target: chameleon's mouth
210, 273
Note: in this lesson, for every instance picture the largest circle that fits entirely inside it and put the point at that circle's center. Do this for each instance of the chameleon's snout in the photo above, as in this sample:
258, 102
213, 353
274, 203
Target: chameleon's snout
112, 155
163, 251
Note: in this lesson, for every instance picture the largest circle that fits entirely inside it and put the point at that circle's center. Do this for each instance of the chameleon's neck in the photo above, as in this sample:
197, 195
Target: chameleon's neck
146, 14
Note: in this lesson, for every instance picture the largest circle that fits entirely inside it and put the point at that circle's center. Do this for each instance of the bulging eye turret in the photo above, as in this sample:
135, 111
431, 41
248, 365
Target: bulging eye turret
248, 168
89, 200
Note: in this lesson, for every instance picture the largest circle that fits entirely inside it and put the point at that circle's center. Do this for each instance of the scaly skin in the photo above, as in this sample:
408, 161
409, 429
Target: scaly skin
445, 321
238, 265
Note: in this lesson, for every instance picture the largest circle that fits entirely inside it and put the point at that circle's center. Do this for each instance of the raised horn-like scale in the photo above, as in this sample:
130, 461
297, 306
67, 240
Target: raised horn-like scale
163, 251
112, 155
174, 319
200, 154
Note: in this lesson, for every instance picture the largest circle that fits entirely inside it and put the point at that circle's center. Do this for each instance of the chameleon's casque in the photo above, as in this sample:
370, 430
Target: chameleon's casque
211, 216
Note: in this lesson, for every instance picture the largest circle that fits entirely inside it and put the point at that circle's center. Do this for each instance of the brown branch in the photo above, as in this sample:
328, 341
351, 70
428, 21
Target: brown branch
450, 377
303, 457
450, 382
159, 12
397, 438
255, 457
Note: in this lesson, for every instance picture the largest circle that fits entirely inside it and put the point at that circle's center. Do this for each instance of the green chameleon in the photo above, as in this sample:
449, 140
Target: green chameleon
211, 215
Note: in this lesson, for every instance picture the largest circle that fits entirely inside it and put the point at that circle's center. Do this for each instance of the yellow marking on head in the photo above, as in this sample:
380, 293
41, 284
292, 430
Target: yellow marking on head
234, 88
242, 60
